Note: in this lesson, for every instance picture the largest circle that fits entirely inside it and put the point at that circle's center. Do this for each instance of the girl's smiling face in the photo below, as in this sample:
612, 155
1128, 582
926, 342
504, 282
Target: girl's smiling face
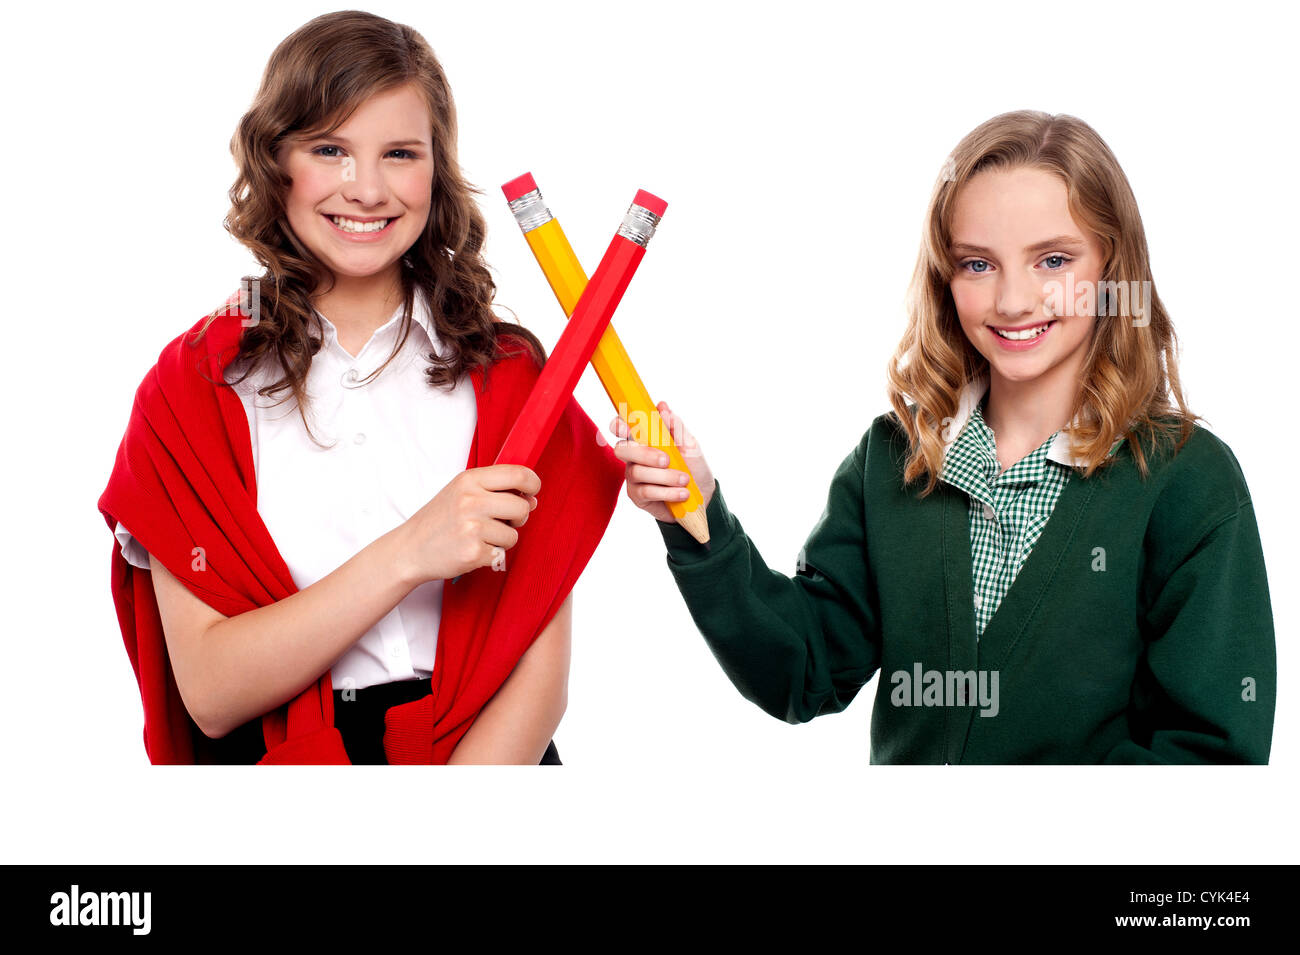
1012, 235
376, 166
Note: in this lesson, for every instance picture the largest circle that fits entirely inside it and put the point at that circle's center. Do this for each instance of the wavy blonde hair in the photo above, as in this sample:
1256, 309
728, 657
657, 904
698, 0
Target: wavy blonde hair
1130, 372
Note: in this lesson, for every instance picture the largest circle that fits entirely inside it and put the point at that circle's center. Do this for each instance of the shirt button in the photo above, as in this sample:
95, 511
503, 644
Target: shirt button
979, 601
396, 652
359, 438
351, 375
989, 513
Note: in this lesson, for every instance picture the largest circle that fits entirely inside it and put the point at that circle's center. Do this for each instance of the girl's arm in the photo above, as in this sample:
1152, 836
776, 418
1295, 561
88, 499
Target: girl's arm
1206, 686
232, 669
797, 647
521, 718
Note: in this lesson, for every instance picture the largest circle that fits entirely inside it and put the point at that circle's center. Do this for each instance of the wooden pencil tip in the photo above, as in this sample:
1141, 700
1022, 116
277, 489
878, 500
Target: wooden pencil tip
696, 524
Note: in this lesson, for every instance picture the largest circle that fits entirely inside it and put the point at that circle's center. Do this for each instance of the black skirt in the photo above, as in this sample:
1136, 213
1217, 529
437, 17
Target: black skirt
359, 718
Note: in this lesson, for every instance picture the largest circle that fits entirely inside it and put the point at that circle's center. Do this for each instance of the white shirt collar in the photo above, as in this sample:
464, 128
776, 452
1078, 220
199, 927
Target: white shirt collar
421, 316
1060, 450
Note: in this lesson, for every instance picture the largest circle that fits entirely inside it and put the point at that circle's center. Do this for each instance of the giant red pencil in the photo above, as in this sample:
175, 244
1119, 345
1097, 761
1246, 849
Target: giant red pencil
591, 316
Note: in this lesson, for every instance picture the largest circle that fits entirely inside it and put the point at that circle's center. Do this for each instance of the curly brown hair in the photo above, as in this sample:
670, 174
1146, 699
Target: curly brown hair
1130, 372
314, 80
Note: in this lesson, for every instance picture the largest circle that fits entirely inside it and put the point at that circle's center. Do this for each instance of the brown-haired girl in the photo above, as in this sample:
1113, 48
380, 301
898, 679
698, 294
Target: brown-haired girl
338, 577
1039, 550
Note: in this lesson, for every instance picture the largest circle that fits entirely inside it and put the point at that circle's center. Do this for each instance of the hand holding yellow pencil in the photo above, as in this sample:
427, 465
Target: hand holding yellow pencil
653, 483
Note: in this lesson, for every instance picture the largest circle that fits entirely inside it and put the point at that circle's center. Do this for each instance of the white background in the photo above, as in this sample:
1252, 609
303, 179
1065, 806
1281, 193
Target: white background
796, 145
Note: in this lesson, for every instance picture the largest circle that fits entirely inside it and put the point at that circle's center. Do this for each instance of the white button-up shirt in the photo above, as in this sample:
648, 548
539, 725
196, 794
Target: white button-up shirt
393, 443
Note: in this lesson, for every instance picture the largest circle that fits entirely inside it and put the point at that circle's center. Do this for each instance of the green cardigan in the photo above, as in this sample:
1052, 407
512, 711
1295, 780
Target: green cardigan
1139, 629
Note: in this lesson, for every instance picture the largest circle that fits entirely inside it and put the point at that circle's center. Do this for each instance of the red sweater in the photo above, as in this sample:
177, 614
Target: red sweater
184, 479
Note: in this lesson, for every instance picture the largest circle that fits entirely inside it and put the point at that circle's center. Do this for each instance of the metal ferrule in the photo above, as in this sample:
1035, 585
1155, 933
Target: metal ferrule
530, 211
639, 225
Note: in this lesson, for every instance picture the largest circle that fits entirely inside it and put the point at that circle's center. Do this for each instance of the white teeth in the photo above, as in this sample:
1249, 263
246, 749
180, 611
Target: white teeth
1023, 335
351, 225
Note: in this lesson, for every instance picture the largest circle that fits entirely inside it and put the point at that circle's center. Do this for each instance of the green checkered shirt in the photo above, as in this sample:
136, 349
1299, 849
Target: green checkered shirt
1007, 511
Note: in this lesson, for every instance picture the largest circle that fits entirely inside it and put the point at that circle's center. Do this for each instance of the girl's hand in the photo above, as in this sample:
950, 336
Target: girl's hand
650, 482
470, 523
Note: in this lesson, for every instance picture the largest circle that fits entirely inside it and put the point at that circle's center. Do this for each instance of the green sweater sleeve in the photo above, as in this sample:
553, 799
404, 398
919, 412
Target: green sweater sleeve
797, 647
1205, 691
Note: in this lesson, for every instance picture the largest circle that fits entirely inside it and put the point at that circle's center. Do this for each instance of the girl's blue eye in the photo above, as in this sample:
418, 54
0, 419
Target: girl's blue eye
981, 266
317, 150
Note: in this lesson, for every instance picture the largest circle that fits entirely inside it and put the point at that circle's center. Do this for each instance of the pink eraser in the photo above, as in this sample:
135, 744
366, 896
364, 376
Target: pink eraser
648, 200
519, 187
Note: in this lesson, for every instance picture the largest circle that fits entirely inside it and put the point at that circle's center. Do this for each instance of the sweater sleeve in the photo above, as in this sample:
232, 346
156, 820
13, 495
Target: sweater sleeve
1205, 690
797, 647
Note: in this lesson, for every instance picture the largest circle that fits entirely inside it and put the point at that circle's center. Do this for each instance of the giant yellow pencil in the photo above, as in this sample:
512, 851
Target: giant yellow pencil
613, 365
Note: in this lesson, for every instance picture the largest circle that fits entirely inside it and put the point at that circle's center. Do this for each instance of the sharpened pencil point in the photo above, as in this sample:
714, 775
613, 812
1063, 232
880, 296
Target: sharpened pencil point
696, 524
